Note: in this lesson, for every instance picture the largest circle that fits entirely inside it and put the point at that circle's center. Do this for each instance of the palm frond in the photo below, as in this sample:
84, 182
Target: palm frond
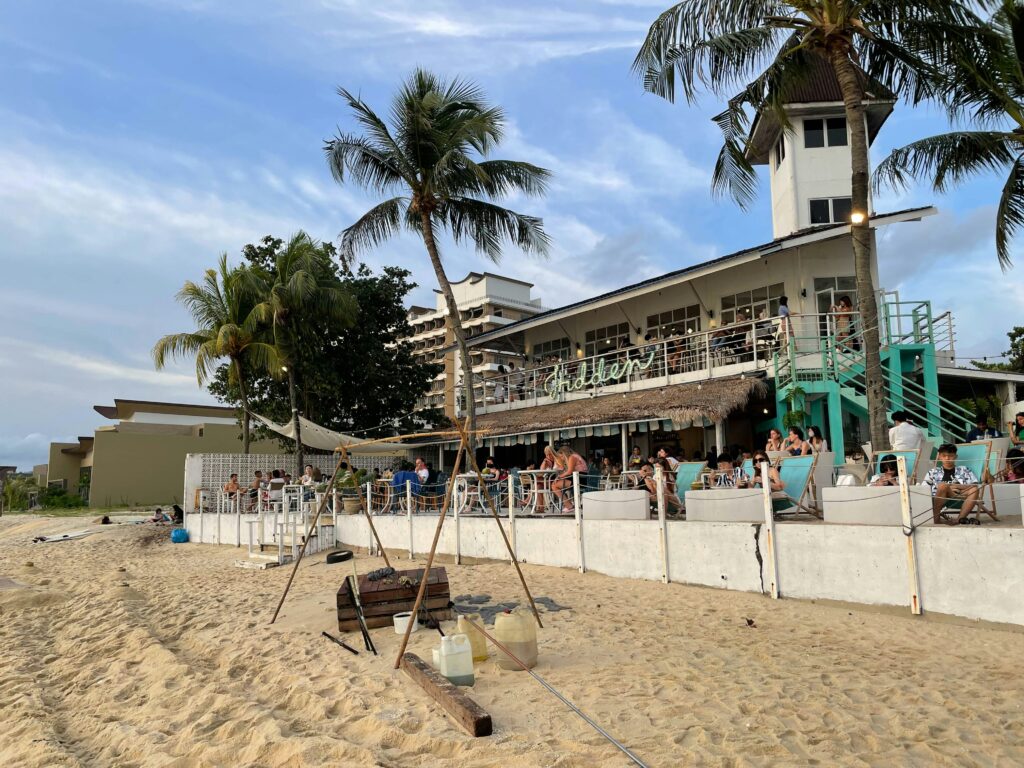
488, 225
1010, 213
945, 159
177, 345
374, 227
369, 165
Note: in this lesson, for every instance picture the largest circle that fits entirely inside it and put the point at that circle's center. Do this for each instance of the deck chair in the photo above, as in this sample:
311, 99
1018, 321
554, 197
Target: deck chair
748, 467
976, 457
687, 473
912, 458
796, 474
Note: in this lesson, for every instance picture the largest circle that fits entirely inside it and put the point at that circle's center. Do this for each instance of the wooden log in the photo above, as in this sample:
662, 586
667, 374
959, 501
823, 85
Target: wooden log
462, 709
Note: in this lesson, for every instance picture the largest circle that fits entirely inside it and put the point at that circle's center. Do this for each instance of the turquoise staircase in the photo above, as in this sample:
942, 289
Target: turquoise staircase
830, 375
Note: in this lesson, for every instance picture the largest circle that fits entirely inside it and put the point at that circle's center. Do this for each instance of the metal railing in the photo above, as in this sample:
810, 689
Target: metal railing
694, 356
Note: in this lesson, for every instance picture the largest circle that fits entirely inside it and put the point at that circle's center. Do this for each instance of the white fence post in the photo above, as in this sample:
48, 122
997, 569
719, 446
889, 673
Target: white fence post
659, 480
578, 510
512, 515
769, 526
201, 525
458, 539
908, 533
372, 548
238, 523
408, 513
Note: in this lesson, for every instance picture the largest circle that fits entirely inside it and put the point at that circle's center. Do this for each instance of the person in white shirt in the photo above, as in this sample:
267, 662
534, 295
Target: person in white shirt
422, 471
904, 436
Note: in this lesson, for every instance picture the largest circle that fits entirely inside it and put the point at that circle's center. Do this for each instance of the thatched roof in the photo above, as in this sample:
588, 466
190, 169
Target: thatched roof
710, 400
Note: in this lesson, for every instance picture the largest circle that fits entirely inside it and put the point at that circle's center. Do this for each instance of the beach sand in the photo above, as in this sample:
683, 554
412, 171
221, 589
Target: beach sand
171, 662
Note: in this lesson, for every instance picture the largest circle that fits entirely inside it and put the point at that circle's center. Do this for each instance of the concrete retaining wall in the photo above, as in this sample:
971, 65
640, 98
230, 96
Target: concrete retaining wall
976, 573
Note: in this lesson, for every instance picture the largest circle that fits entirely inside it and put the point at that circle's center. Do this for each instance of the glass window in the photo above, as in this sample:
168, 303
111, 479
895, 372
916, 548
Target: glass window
846, 283
606, 339
841, 208
780, 151
814, 133
820, 213
776, 290
682, 320
559, 347
836, 131
749, 305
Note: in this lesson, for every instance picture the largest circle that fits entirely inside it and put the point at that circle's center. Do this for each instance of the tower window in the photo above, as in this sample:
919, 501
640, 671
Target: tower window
817, 130
780, 152
833, 210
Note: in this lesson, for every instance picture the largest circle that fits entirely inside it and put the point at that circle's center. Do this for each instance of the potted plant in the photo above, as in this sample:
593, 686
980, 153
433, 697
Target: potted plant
795, 414
349, 485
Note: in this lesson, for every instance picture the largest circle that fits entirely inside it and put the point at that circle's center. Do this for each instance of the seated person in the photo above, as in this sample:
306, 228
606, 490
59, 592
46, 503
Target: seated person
889, 474
231, 486
773, 474
489, 470
307, 476
255, 487
159, 517
648, 484
276, 485
406, 473
727, 475
421, 470
982, 431
1014, 472
952, 484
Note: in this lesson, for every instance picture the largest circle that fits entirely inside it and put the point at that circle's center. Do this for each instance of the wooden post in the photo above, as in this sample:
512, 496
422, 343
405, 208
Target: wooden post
512, 514
458, 536
577, 509
469, 715
769, 526
659, 480
501, 529
908, 533
433, 547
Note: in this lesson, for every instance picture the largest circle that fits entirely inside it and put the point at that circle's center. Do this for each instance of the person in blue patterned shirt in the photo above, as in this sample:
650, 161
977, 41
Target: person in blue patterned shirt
953, 485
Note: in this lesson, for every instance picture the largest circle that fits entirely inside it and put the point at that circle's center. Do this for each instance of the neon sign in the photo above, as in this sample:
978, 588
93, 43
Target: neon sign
562, 380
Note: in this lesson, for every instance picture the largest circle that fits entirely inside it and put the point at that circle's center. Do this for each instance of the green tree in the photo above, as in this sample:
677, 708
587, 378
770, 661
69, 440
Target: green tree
296, 288
432, 156
753, 51
1014, 355
220, 307
987, 86
355, 377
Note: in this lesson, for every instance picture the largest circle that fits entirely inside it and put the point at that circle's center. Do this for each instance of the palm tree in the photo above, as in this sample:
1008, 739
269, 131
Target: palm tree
988, 87
219, 306
761, 48
300, 286
432, 154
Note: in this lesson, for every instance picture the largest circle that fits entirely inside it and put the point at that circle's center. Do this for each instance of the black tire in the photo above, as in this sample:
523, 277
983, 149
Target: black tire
339, 557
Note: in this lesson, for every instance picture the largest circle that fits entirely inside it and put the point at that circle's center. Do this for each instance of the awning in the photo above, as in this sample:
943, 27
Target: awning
676, 406
315, 436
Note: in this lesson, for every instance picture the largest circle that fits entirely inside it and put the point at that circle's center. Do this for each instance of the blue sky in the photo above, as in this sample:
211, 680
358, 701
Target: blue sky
141, 138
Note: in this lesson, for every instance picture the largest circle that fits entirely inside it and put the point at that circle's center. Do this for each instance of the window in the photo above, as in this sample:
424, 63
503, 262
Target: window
559, 347
780, 152
814, 134
748, 305
836, 131
682, 320
606, 339
832, 210
817, 130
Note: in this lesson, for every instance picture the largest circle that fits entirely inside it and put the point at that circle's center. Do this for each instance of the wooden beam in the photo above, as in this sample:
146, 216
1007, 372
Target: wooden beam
462, 709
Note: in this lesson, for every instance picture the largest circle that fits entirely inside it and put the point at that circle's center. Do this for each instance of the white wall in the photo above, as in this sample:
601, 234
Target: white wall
141, 417
977, 573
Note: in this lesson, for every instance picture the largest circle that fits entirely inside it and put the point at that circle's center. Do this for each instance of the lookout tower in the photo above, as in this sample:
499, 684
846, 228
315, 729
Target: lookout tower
809, 163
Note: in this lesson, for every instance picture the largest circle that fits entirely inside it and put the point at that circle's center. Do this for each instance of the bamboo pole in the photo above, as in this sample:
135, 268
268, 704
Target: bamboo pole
501, 528
908, 532
433, 549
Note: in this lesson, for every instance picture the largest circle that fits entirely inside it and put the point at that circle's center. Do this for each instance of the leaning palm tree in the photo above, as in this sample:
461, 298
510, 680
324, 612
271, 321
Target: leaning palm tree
987, 87
301, 286
433, 155
753, 52
219, 306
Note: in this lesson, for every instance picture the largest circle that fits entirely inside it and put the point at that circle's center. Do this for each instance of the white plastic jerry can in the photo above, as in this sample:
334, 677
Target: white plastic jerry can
456, 657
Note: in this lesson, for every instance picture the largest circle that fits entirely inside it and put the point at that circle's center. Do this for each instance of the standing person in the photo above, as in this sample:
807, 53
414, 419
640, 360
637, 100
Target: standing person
904, 436
255, 487
785, 324
549, 462
816, 440
1017, 429
795, 443
573, 463
982, 431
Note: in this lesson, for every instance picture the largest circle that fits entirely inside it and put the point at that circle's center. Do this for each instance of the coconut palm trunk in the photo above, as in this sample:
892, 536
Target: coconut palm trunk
454, 321
243, 394
867, 304
295, 421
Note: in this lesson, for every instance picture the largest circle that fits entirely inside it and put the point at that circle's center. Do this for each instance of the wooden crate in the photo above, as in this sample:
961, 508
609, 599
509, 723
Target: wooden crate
381, 600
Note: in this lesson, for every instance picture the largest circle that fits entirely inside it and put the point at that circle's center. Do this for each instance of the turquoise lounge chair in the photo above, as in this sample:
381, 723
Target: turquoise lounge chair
796, 472
686, 474
911, 460
748, 467
977, 457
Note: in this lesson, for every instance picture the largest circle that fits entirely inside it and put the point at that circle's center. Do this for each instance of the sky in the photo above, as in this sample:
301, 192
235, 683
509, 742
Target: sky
139, 139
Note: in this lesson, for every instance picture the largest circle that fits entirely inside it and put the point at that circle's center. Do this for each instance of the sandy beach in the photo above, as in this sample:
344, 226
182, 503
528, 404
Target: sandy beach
171, 662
